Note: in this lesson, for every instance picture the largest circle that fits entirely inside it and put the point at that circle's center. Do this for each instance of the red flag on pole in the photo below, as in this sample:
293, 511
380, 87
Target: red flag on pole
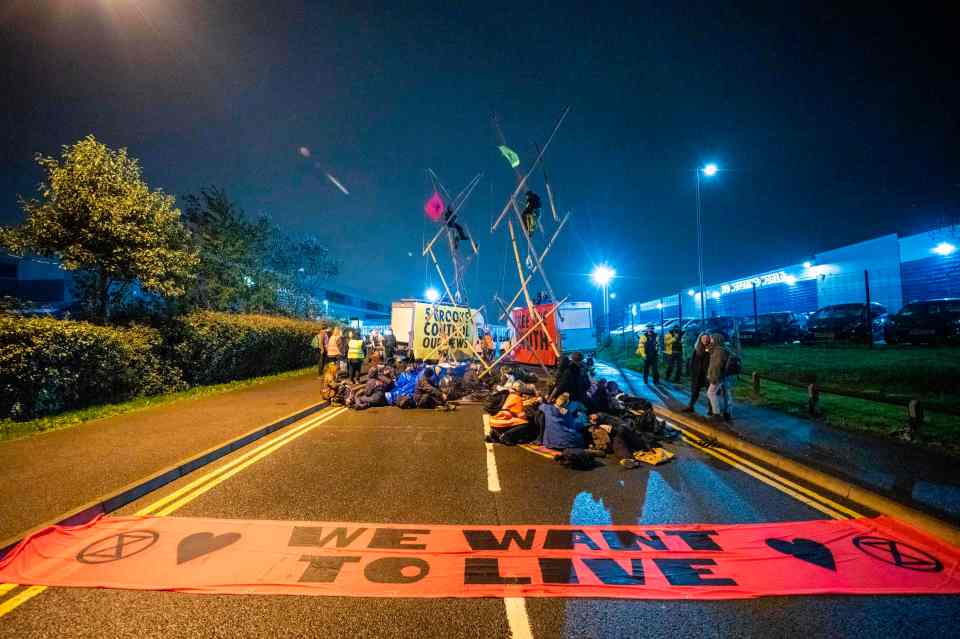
434, 207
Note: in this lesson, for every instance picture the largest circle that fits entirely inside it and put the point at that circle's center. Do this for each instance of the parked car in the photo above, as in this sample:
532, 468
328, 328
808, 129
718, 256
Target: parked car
725, 324
930, 321
775, 328
846, 323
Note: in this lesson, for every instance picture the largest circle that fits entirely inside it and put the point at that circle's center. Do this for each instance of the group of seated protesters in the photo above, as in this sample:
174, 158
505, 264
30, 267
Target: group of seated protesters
581, 416
418, 385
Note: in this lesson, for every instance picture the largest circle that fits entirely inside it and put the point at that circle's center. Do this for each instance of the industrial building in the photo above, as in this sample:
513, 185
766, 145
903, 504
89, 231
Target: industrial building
896, 270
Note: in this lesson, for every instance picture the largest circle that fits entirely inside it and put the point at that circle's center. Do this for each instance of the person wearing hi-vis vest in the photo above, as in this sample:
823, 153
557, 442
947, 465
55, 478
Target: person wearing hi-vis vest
354, 356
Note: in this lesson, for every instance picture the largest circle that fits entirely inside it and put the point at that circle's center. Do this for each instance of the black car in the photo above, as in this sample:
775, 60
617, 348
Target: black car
845, 323
775, 328
929, 321
723, 324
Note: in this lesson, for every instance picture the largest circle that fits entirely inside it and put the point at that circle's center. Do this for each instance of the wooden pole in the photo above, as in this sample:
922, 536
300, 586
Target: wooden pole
449, 295
510, 319
543, 256
526, 293
525, 335
533, 168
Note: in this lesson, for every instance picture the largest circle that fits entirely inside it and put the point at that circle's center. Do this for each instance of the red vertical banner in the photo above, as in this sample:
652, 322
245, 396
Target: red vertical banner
535, 349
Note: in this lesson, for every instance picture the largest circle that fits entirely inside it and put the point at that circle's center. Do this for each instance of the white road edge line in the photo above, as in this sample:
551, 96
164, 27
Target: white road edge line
516, 607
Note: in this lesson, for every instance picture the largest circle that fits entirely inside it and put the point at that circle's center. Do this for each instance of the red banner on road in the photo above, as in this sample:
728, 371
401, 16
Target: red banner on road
697, 561
536, 348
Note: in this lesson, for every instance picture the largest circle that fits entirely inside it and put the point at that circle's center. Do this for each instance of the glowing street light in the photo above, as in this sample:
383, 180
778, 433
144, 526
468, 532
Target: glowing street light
602, 275
944, 249
432, 295
709, 171
807, 264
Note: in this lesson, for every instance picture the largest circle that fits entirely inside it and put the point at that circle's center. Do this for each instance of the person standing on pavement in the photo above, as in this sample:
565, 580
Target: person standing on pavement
720, 382
648, 349
319, 342
673, 349
354, 357
699, 364
334, 343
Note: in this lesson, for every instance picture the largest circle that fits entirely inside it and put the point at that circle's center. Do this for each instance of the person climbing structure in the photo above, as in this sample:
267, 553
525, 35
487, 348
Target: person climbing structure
531, 213
451, 220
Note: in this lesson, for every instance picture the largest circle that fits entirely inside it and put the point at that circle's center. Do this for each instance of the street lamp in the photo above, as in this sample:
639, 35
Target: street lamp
432, 295
602, 276
709, 170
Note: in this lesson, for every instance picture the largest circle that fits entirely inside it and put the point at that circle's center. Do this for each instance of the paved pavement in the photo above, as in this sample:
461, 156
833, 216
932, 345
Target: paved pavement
917, 477
388, 465
46, 475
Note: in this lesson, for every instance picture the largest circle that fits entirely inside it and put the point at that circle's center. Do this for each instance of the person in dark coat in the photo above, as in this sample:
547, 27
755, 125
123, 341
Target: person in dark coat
389, 346
573, 381
699, 365
426, 394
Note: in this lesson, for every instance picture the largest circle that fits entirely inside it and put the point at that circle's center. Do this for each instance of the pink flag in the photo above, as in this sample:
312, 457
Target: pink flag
434, 207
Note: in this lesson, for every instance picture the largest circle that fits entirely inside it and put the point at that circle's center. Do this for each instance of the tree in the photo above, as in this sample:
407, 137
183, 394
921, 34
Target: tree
232, 251
96, 214
250, 264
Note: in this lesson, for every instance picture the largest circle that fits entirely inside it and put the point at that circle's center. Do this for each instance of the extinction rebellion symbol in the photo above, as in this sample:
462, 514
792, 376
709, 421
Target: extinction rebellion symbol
117, 547
897, 553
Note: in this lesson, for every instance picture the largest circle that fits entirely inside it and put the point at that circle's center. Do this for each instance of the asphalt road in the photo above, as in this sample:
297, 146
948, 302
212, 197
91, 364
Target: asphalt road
392, 466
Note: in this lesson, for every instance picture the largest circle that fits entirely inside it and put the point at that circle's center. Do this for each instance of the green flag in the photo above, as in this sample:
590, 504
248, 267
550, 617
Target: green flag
512, 157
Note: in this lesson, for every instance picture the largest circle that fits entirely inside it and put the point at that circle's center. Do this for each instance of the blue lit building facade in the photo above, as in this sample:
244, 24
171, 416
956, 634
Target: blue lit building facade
897, 270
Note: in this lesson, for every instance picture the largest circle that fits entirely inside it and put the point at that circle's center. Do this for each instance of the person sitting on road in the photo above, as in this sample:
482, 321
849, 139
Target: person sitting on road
513, 412
426, 394
389, 346
625, 439
374, 391
573, 381
699, 364
513, 425
564, 424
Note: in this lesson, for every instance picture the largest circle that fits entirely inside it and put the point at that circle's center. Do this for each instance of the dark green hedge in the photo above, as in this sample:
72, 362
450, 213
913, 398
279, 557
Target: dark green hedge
48, 366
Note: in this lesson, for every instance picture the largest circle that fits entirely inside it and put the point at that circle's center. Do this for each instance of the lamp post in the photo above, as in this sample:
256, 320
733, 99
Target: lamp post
709, 171
602, 276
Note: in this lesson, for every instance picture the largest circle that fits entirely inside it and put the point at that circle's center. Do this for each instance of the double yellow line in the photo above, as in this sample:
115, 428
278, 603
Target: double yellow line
182, 496
800, 493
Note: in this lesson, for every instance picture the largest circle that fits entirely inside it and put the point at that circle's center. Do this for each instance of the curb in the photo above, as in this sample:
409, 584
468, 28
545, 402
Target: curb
820, 479
137, 489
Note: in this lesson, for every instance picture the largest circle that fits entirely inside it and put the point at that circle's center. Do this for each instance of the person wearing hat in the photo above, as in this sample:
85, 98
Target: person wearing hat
649, 350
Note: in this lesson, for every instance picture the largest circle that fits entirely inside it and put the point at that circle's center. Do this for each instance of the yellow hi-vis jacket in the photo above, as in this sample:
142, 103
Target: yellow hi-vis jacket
642, 346
669, 340
355, 349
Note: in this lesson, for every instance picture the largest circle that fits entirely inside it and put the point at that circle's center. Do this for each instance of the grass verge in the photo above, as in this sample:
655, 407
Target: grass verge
10, 429
926, 373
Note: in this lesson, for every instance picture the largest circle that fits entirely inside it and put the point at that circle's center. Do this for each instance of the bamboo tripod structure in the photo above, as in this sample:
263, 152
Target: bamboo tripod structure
532, 254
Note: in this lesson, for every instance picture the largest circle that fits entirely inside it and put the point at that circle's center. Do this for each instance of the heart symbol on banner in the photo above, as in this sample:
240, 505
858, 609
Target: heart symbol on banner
203, 543
806, 550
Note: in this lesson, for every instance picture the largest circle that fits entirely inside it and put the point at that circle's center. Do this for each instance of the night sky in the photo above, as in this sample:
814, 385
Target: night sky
831, 124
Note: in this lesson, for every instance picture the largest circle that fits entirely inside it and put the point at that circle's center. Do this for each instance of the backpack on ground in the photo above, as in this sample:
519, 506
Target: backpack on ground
405, 401
494, 402
576, 459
